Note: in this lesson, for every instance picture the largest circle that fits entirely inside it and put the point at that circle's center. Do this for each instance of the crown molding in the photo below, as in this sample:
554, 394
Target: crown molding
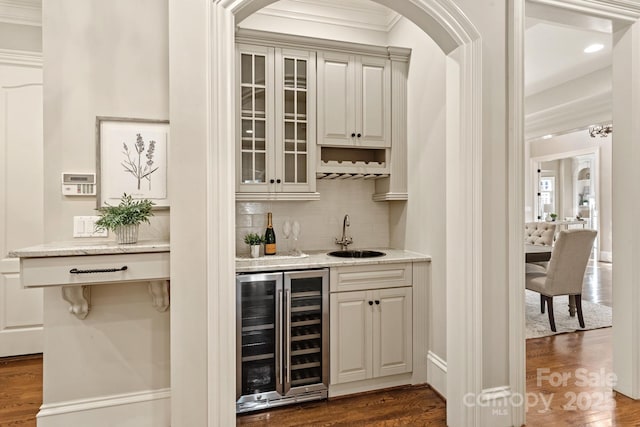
570, 115
22, 12
21, 57
616, 10
352, 15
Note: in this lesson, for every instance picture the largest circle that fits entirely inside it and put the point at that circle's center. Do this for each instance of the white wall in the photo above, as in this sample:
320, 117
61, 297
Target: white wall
122, 346
489, 17
100, 61
107, 59
418, 224
189, 90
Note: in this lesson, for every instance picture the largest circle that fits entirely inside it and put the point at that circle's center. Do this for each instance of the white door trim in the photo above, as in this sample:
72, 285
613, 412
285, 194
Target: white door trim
461, 41
516, 171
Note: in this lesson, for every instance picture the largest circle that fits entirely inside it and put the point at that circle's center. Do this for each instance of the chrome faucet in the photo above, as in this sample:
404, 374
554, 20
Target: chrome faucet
345, 241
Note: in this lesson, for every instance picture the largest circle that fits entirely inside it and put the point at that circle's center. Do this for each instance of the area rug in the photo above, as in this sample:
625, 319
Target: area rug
595, 316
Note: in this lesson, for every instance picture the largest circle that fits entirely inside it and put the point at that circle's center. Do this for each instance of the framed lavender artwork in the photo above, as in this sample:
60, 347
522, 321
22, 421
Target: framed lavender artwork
132, 157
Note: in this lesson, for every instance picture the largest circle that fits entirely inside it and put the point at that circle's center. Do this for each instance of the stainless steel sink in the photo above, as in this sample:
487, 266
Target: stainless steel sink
356, 254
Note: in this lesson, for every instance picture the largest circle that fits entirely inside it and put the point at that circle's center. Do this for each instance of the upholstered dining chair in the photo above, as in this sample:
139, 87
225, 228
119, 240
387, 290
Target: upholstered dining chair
539, 233
565, 271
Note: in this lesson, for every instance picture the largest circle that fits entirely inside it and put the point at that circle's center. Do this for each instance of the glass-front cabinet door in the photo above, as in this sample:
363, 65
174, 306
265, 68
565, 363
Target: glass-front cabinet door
275, 120
254, 119
296, 111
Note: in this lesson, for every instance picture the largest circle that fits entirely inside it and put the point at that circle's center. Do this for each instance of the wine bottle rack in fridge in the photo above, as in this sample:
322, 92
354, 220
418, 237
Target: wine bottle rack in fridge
282, 338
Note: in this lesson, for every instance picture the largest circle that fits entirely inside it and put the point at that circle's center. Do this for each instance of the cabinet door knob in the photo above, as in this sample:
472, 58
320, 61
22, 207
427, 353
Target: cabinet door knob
370, 302
353, 135
278, 181
359, 135
377, 302
271, 181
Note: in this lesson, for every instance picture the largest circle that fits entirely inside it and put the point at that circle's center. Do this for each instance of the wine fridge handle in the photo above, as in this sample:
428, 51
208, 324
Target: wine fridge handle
287, 346
280, 301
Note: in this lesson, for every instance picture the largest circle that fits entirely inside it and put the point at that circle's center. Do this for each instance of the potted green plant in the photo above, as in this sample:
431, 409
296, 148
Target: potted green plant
553, 216
125, 219
254, 240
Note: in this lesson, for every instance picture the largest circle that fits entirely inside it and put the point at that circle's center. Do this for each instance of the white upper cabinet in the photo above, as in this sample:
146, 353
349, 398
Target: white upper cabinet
310, 109
275, 122
354, 100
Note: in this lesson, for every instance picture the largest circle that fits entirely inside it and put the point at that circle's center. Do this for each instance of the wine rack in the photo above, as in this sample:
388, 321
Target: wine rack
306, 348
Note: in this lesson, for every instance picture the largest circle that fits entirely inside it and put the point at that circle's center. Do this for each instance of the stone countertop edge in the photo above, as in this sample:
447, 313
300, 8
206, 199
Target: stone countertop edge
73, 248
319, 259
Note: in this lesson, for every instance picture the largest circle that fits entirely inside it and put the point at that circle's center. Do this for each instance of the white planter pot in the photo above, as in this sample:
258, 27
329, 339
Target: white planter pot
255, 251
127, 234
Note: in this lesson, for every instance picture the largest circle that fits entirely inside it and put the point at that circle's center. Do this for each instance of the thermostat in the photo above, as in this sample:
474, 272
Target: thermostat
79, 184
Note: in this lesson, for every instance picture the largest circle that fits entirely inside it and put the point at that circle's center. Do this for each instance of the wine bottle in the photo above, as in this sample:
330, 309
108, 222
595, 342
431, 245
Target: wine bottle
269, 238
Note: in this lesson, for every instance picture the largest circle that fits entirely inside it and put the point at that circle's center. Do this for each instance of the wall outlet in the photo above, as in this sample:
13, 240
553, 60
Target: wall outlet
85, 226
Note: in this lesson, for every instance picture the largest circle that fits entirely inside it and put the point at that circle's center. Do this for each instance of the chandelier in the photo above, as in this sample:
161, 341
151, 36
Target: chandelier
601, 131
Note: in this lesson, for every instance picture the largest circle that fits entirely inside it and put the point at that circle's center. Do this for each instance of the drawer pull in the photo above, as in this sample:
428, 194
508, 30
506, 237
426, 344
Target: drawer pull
98, 270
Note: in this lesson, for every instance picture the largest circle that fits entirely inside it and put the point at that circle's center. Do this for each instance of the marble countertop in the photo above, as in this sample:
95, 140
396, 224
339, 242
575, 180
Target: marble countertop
310, 259
73, 248
318, 259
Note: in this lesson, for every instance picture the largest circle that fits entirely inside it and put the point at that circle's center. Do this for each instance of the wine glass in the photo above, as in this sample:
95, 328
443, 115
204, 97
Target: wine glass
286, 232
295, 230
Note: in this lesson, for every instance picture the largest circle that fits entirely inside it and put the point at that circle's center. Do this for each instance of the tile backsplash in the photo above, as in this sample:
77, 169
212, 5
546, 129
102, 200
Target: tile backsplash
321, 220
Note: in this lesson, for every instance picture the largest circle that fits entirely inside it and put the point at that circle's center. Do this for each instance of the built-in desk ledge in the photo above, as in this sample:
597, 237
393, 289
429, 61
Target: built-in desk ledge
74, 266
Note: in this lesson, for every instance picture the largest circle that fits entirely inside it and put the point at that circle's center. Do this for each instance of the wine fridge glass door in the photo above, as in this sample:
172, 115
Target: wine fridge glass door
306, 344
259, 334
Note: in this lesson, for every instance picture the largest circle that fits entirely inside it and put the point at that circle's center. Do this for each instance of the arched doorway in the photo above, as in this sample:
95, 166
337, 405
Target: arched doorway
444, 23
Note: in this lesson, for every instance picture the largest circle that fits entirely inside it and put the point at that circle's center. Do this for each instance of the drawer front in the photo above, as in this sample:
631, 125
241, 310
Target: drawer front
357, 278
54, 271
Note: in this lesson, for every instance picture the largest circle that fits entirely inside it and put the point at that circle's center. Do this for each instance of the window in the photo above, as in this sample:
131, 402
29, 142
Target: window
547, 196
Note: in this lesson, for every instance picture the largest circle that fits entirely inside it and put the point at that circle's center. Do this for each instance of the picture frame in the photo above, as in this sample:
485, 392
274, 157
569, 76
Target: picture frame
132, 157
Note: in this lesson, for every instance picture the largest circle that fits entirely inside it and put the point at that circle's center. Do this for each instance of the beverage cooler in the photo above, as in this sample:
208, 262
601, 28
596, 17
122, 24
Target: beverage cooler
282, 338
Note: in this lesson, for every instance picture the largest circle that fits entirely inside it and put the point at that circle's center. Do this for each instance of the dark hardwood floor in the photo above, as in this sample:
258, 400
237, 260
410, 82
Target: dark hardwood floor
571, 372
403, 406
20, 390
584, 399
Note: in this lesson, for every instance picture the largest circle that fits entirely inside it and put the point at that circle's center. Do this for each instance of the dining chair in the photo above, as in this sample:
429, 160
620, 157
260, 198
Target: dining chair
539, 233
565, 272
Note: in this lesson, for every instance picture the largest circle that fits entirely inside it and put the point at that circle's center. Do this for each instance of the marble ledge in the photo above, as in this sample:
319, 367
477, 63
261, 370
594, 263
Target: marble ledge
319, 259
74, 248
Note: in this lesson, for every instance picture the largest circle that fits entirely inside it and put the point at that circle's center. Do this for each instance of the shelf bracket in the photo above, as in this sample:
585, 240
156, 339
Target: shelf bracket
79, 299
159, 291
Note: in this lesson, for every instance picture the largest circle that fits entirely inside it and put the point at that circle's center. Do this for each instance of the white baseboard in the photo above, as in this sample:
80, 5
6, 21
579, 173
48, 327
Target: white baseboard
496, 406
150, 408
336, 390
15, 342
606, 256
437, 373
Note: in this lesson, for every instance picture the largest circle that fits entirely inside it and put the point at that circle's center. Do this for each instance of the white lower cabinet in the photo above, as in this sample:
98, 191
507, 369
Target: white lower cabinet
392, 331
371, 333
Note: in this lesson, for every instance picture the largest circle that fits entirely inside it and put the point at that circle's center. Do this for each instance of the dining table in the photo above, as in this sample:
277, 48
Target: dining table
537, 253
